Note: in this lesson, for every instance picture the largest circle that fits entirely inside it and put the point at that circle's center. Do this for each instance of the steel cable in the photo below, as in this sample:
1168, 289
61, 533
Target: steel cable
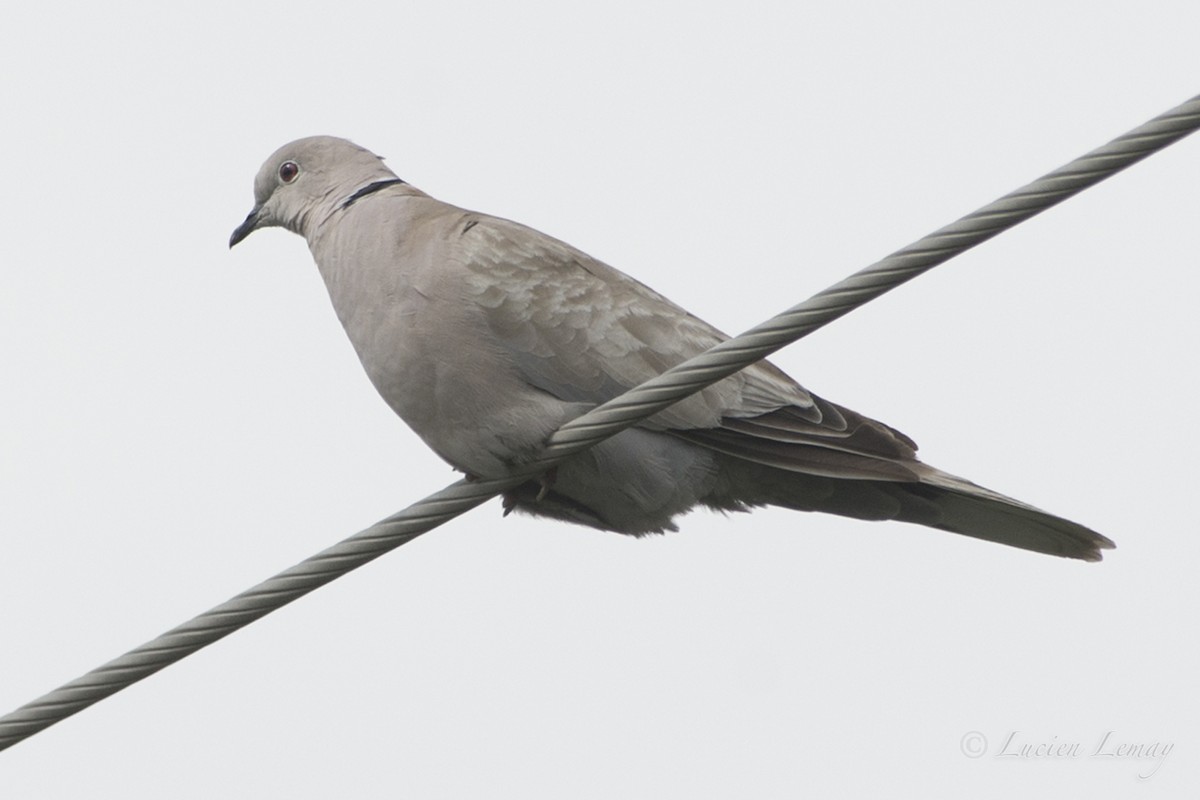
603, 421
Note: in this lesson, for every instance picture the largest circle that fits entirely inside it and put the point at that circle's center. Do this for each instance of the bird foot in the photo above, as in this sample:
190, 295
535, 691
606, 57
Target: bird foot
546, 480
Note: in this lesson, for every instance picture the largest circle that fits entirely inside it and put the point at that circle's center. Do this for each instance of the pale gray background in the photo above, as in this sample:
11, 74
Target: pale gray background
180, 421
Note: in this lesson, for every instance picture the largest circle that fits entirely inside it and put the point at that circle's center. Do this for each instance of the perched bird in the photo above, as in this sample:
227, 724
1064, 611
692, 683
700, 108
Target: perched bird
485, 336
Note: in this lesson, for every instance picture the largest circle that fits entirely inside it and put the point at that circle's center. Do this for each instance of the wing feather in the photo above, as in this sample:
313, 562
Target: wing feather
585, 332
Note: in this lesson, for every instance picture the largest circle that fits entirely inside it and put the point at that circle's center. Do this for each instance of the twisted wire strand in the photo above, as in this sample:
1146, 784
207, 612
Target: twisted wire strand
603, 421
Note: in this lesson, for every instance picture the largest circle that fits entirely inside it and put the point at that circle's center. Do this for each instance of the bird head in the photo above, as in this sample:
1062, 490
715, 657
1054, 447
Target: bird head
305, 180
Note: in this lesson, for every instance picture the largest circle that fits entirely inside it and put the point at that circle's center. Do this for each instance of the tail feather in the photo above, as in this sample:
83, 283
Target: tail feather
973, 510
936, 499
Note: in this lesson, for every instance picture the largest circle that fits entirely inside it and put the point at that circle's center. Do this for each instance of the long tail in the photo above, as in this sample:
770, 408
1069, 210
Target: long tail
937, 500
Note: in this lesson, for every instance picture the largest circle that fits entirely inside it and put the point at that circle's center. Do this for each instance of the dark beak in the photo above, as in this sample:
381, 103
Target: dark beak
246, 228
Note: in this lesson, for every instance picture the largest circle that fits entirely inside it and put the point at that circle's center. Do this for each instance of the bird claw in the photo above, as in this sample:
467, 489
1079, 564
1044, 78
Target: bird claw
546, 480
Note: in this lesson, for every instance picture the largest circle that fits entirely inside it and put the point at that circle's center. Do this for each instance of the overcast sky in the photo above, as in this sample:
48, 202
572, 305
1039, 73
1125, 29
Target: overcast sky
181, 421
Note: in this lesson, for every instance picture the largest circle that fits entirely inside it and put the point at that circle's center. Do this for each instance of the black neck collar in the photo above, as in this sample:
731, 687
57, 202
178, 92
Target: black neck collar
370, 188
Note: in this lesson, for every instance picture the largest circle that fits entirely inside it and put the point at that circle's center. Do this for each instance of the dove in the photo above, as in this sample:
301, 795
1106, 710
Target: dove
485, 336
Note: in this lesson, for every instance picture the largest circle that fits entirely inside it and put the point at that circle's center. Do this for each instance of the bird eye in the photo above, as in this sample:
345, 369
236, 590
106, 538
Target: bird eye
288, 171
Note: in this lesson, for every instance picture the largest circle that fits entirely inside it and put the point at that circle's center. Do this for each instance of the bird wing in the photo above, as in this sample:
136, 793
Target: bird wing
585, 332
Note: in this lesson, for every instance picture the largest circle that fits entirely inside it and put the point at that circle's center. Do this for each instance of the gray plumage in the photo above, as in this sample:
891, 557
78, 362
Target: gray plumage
485, 336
